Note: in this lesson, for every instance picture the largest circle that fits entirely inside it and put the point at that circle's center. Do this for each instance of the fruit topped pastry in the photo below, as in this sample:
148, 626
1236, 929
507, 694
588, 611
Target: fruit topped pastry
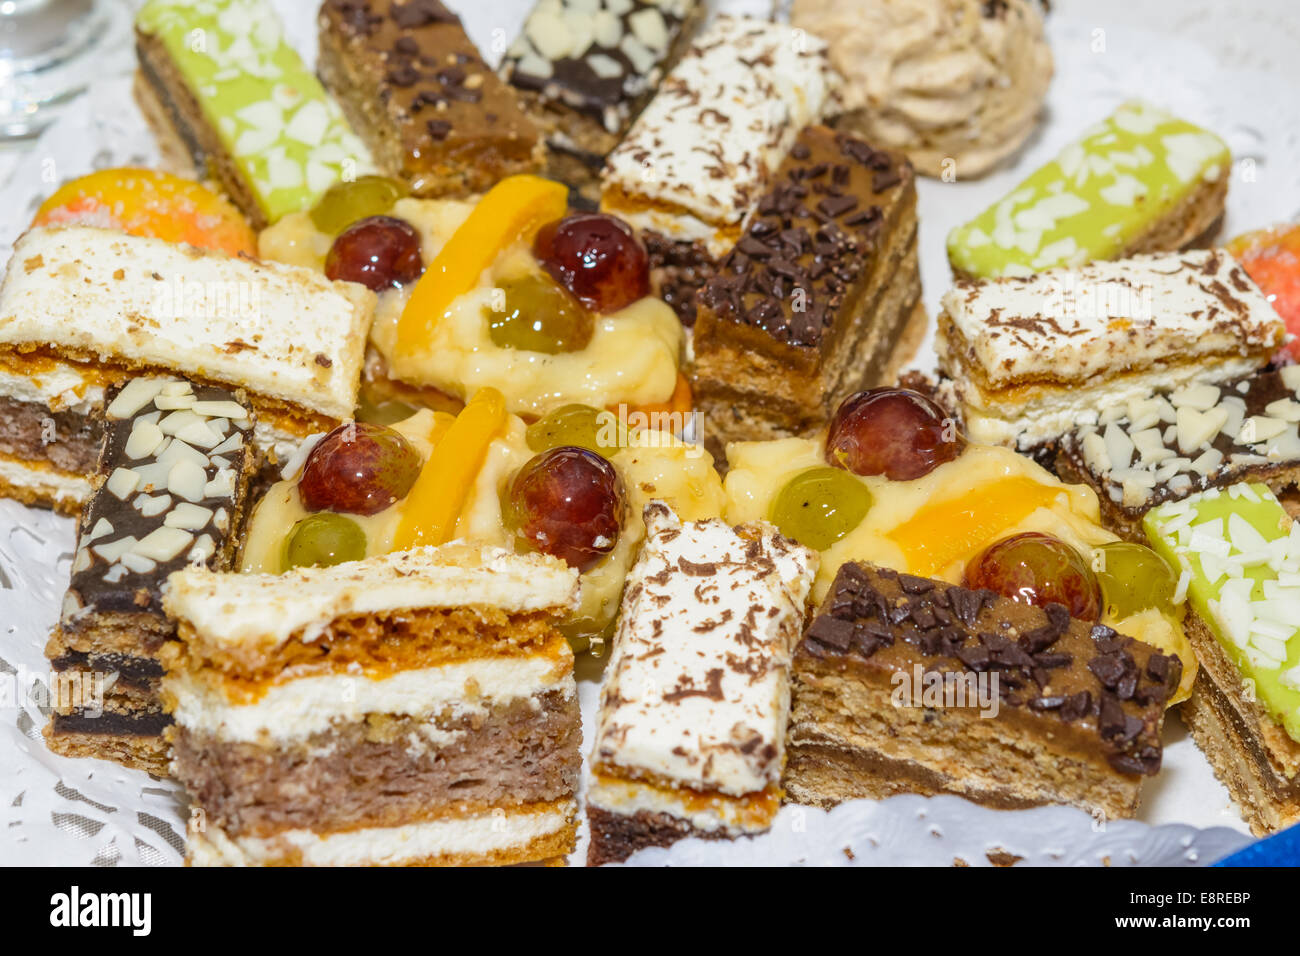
571, 485
894, 482
144, 202
512, 292
1272, 258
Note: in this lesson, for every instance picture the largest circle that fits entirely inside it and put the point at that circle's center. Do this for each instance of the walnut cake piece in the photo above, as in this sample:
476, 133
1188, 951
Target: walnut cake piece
691, 729
904, 684
705, 150
171, 491
82, 309
586, 68
820, 298
417, 708
417, 91
1029, 358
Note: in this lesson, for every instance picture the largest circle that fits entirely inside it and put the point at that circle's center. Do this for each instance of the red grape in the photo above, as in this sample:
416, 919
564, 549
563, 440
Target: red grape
569, 503
893, 432
1038, 569
359, 469
597, 257
380, 252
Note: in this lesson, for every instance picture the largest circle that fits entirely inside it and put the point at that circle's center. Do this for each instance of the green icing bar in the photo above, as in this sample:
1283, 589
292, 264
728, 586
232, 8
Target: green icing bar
288, 139
1242, 554
1098, 196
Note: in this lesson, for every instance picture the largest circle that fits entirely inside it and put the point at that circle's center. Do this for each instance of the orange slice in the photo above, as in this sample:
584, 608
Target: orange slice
438, 495
512, 210
955, 529
144, 202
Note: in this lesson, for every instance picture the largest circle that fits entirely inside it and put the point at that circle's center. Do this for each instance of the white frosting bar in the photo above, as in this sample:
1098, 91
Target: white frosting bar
265, 610
460, 836
701, 153
63, 491
294, 710
697, 688
282, 332
1069, 325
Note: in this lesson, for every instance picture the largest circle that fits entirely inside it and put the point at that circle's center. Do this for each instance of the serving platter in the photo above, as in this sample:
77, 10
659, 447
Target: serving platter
1224, 66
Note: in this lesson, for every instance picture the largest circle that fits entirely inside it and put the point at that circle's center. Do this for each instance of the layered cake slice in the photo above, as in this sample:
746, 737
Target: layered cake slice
586, 68
416, 89
1238, 552
819, 298
230, 97
1030, 358
702, 153
171, 491
690, 734
83, 308
1167, 445
1140, 181
905, 684
413, 708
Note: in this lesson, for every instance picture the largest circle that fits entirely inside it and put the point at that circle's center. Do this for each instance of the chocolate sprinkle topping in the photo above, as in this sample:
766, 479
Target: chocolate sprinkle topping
810, 240
1046, 663
416, 59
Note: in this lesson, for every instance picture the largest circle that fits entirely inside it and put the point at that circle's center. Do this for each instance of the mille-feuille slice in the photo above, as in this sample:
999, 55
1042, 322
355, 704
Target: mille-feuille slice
1028, 359
82, 309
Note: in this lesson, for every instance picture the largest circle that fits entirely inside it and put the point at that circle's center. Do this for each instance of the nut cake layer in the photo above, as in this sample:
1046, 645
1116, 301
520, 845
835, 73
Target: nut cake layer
412, 708
703, 151
1078, 711
812, 303
171, 491
418, 92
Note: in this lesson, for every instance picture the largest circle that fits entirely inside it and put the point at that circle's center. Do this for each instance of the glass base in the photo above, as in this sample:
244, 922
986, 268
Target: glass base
50, 52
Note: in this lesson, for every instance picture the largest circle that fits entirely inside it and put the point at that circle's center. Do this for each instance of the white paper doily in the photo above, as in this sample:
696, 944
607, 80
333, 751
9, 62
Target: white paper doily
948, 831
1231, 67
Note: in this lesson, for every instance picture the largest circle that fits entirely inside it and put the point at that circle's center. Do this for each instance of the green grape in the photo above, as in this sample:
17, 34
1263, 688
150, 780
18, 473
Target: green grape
590, 632
1133, 578
382, 412
579, 425
346, 202
534, 314
322, 540
819, 506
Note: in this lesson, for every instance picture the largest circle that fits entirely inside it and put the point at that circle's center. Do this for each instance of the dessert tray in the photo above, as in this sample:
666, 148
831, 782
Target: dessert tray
1224, 69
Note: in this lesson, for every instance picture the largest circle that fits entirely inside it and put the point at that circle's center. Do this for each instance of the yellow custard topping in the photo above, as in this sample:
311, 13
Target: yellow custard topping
653, 465
632, 357
933, 525
280, 508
